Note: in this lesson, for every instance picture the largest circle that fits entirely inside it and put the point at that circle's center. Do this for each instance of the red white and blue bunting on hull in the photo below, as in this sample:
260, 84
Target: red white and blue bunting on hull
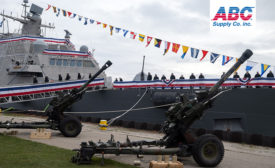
30, 38
68, 53
49, 87
195, 83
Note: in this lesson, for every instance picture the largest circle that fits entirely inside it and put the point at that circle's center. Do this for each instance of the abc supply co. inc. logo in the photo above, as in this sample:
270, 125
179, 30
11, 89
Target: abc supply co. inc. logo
232, 14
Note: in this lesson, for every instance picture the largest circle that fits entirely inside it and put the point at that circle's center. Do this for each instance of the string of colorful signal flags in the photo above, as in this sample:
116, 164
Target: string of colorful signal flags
157, 42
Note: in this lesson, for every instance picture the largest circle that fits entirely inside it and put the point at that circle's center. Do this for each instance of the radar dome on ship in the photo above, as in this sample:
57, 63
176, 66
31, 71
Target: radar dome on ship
39, 46
84, 49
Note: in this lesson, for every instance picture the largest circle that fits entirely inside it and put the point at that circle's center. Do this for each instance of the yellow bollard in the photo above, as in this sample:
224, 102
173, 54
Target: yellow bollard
103, 124
0, 110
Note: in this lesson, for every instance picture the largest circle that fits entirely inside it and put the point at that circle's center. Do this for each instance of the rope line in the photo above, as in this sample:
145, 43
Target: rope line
117, 117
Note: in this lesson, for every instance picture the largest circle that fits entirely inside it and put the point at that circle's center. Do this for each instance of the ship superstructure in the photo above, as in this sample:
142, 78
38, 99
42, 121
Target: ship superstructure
28, 57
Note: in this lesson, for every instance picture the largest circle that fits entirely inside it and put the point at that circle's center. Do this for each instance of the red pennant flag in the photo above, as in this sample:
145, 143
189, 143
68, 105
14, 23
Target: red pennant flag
175, 47
49, 6
98, 23
69, 13
204, 53
167, 46
149, 39
133, 35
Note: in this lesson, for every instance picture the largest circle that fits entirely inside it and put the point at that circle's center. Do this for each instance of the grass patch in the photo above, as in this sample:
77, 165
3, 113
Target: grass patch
15, 152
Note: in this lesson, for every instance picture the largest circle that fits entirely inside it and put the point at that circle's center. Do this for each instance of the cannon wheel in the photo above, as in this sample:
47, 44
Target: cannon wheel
208, 150
70, 126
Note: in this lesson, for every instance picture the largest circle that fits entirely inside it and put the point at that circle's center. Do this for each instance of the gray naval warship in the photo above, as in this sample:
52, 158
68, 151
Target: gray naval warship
34, 69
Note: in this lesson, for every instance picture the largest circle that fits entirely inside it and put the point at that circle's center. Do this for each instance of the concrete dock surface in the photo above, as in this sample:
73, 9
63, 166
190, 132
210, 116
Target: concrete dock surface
236, 155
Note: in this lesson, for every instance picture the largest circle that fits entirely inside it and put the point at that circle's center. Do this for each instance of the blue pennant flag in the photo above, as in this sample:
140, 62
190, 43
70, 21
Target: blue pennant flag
125, 32
79, 18
117, 29
214, 57
92, 21
58, 12
86, 21
194, 52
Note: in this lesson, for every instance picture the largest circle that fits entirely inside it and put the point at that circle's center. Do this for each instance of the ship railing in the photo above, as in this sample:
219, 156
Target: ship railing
19, 93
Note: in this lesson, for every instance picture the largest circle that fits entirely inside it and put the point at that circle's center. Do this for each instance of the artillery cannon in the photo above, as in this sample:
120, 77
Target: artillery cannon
207, 150
68, 125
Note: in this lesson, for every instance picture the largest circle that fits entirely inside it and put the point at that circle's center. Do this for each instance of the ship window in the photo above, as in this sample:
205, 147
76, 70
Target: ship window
52, 61
72, 63
59, 62
79, 63
62, 47
52, 47
88, 64
65, 62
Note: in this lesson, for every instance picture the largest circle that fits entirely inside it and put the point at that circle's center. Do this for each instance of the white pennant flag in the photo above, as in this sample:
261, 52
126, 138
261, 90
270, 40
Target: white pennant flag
250, 65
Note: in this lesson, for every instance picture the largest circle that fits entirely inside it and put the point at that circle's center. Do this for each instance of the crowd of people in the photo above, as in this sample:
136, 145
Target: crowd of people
201, 76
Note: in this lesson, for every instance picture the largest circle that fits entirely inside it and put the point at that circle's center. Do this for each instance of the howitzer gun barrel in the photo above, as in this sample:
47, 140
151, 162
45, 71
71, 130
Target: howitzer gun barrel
104, 67
246, 55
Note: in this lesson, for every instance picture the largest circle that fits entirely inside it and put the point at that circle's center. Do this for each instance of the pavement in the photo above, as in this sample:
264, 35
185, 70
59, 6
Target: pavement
236, 155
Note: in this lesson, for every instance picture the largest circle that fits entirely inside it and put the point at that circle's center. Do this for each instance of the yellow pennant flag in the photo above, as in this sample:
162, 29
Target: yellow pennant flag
184, 49
141, 37
104, 25
111, 29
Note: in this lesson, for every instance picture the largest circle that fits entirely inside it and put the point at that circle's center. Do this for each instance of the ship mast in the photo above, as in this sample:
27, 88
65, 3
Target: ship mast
142, 70
25, 6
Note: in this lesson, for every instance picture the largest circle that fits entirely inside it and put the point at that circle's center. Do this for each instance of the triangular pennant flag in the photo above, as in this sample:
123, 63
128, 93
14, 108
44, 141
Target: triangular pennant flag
69, 13
98, 23
214, 57
86, 21
58, 12
80, 18
204, 53
49, 6
64, 12
125, 32
264, 67
250, 65
74, 15
149, 39
157, 42
104, 25
141, 37
194, 52
117, 29
111, 29
54, 9
166, 47
184, 49
92, 21
175, 47
226, 59
133, 35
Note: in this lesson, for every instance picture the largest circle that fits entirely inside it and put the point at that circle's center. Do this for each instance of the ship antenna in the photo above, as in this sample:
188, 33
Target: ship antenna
25, 5
142, 70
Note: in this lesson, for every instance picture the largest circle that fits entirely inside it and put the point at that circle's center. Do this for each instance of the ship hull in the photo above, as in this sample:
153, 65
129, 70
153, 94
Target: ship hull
245, 110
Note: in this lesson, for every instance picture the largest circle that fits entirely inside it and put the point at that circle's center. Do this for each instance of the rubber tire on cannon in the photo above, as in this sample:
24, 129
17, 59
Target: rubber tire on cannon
208, 150
70, 126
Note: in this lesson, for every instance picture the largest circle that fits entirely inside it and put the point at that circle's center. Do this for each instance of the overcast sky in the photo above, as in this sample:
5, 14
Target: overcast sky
181, 21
